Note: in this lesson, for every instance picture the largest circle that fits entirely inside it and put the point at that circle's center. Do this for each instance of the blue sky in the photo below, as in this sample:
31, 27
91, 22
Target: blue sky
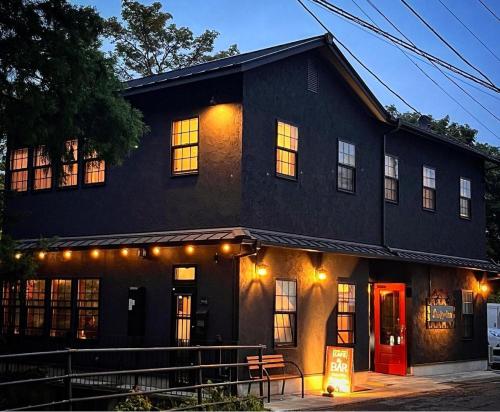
254, 24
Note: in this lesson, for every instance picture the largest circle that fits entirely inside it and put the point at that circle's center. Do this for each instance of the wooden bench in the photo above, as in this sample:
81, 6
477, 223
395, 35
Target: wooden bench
273, 369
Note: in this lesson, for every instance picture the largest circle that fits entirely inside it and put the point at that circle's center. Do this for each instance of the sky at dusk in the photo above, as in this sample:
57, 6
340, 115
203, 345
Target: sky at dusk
254, 24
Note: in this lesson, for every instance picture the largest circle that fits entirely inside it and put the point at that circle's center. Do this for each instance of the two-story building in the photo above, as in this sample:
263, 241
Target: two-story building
274, 201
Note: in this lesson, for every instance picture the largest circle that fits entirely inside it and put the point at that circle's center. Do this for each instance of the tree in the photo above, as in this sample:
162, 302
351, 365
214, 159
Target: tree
465, 134
56, 83
147, 42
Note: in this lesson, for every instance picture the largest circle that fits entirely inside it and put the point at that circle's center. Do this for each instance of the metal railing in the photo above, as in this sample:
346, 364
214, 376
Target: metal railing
72, 373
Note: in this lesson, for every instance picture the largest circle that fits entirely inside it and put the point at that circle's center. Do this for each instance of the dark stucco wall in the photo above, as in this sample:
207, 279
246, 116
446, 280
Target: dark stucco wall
118, 273
311, 205
141, 195
442, 231
436, 345
316, 304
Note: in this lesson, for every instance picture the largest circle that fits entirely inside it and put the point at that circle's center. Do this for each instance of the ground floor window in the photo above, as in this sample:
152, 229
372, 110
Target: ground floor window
346, 313
285, 313
11, 307
467, 314
88, 308
35, 307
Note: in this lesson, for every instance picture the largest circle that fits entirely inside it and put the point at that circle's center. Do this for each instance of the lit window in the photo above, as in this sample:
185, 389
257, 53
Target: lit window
19, 170
94, 169
429, 188
285, 313
69, 168
287, 148
346, 170
11, 305
467, 313
41, 169
346, 312
185, 146
60, 305
391, 181
185, 273
465, 198
88, 308
35, 307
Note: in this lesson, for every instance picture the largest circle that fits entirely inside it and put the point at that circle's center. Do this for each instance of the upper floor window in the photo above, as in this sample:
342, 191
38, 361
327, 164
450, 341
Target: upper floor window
429, 188
94, 170
42, 170
285, 311
287, 147
391, 181
346, 170
346, 313
185, 146
465, 198
19, 170
69, 168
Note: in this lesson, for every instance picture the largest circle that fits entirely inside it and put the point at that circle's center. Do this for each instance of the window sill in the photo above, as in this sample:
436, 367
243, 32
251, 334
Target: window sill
467, 219
349, 192
100, 184
287, 177
392, 202
428, 210
184, 174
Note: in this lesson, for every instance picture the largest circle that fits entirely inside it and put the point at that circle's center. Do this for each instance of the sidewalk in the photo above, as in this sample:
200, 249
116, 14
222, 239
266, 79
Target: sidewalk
377, 386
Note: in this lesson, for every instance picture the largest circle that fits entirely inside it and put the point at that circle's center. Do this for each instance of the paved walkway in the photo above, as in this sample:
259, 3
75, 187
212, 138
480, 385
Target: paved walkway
388, 392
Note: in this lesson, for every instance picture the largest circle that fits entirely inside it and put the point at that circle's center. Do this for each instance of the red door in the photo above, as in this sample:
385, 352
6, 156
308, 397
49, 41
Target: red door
390, 328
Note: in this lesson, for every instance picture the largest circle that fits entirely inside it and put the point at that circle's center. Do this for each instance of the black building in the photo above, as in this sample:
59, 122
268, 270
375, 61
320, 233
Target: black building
274, 201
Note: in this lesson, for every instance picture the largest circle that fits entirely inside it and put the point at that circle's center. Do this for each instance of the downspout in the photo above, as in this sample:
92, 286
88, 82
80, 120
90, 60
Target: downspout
393, 130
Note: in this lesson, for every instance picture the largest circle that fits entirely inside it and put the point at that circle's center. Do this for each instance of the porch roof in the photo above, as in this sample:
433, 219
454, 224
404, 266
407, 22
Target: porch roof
265, 237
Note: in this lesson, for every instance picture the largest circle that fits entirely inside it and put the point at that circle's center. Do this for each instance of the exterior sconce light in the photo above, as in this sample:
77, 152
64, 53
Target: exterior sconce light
321, 274
261, 270
95, 253
124, 252
189, 249
67, 254
41, 255
484, 288
17, 256
212, 101
156, 251
226, 247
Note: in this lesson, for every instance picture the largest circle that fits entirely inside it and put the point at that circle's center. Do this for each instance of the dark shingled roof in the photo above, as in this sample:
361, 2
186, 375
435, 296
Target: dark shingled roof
266, 238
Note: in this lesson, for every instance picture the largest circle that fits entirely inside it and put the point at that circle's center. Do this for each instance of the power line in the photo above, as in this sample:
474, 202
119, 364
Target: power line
404, 44
469, 30
490, 10
442, 72
425, 73
445, 41
358, 60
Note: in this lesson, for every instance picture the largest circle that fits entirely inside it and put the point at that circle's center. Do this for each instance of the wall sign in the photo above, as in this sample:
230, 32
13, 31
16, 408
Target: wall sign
440, 311
338, 369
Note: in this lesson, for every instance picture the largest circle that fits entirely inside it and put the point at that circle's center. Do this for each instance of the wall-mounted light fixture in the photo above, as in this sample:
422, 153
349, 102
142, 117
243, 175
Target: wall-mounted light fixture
67, 254
156, 251
189, 249
124, 252
321, 274
41, 255
95, 253
226, 247
484, 287
261, 270
18, 255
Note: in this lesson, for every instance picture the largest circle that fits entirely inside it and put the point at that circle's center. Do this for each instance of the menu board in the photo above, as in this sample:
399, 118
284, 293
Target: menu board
338, 369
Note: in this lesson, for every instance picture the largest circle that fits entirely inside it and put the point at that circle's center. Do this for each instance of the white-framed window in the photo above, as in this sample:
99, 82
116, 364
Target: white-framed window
185, 146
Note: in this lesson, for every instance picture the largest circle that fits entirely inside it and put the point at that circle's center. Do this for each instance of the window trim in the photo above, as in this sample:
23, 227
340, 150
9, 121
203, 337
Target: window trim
341, 281
35, 168
276, 147
353, 168
172, 147
395, 179
460, 197
8, 161
293, 344
430, 188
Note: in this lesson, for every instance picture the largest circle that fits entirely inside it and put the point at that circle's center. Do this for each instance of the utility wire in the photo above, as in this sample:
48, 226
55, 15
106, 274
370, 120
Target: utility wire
469, 30
355, 58
490, 10
442, 72
352, 18
445, 41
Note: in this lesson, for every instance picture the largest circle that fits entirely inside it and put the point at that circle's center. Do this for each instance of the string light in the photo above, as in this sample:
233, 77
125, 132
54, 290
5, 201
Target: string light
17, 256
41, 255
189, 249
124, 252
95, 253
67, 254
226, 247
156, 251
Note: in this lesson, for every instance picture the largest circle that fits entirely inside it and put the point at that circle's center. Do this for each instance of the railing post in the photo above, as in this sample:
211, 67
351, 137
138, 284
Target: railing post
200, 377
69, 384
261, 373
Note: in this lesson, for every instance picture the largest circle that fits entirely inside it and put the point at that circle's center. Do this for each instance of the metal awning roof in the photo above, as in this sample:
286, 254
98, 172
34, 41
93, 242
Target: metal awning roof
266, 237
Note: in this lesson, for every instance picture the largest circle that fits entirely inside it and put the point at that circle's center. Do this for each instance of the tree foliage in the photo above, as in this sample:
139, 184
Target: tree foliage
56, 83
465, 134
147, 42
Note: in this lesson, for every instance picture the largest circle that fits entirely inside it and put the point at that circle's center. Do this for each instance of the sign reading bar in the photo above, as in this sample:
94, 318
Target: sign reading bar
338, 368
441, 313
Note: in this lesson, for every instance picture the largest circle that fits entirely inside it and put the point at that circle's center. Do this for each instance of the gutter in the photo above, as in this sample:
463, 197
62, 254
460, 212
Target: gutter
383, 229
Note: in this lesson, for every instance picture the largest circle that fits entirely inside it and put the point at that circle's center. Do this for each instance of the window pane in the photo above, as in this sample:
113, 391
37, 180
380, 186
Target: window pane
88, 308
345, 178
185, 146
42, 178
429, 176
19, 159
429, 198
465, 188
69, 175
285, 163
95, 171
185, 273
60, 302
346, 308
35, 307
391, 189
285, 308
71, 151
464, 207
19, 181
347, 154
391, 166
11, 303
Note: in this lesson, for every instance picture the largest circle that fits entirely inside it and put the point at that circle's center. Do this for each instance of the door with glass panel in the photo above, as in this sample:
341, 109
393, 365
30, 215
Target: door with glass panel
390, 328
